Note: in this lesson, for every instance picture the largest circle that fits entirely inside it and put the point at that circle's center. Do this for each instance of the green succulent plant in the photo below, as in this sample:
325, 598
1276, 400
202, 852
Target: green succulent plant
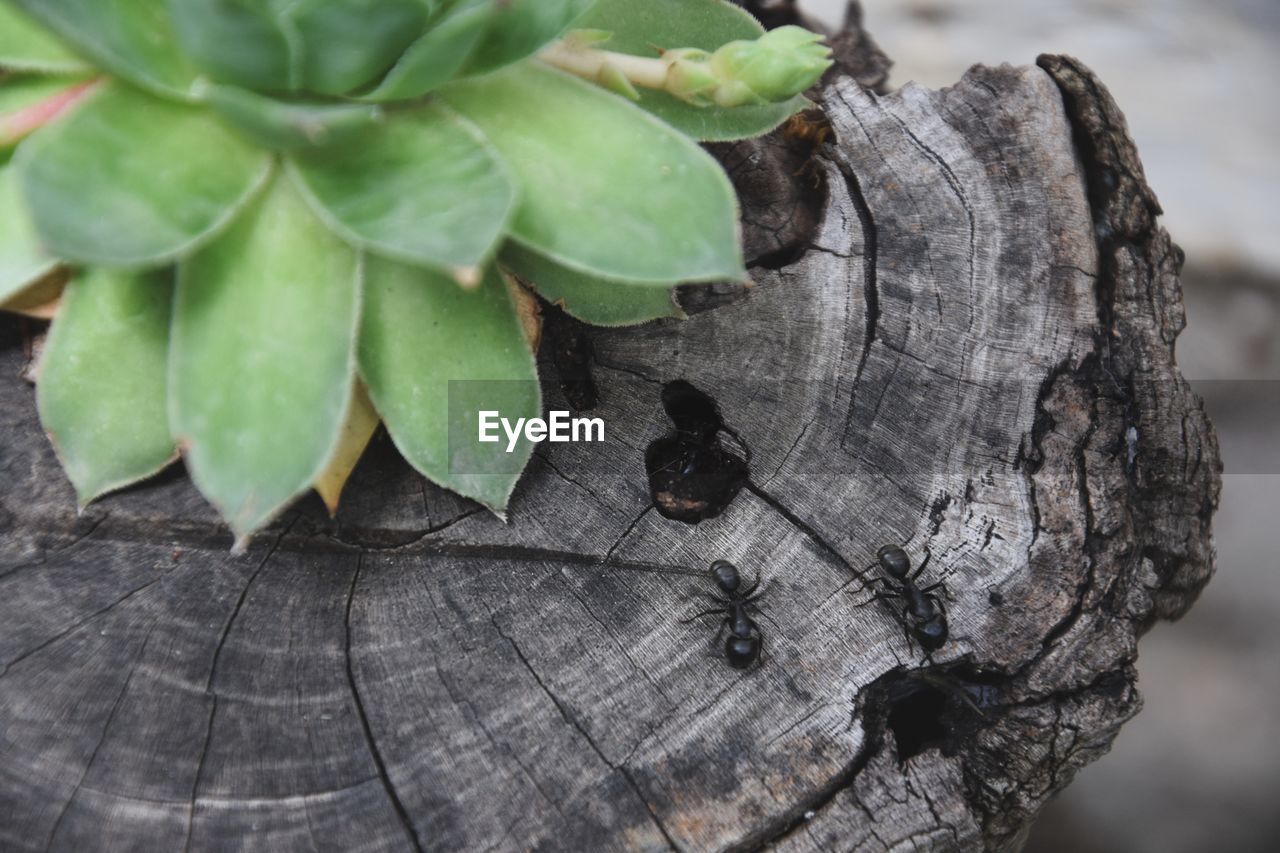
264, 226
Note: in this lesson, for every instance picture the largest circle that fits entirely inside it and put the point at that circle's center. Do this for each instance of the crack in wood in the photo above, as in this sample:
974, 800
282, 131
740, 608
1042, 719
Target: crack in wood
213, 672
870, 287
80, 623
106, 728
582, 731
953, 182
625, 651
623, 536
411, 831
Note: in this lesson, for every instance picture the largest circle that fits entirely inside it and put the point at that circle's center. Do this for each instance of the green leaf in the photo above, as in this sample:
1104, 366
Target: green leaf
30, 101
131, 180
707, 24
131, 38
244, 42
348, 44
425, 189
330, 47
101, 391
19, 91
592, 300
262, 357
286, 126
23, 261
605, 188
521, 28
438, 55
432, 355
27, 46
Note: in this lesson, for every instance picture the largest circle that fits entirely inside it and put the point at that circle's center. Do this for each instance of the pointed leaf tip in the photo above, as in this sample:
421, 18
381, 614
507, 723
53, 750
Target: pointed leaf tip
434, 356
101, 388
358, 427
262, 357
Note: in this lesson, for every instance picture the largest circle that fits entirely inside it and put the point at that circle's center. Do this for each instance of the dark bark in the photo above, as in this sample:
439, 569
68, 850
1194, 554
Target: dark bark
960, 338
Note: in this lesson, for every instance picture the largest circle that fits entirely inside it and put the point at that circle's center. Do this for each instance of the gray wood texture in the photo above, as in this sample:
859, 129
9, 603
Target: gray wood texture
960, 338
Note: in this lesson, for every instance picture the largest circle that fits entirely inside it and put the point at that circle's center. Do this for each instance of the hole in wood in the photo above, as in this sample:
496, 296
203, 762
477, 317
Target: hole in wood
935, 707
571, 352
915, 719
696, 471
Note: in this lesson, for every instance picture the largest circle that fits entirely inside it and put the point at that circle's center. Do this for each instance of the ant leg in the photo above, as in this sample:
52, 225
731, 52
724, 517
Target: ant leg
885, 595
747, 593
765, 615
875, 579
942, 585
695, 617
871, 584
928, 555
946, 591
750, 597
714, 651
948, 686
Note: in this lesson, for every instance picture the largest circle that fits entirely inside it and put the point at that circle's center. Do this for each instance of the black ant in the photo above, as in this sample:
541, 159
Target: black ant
924, 615
743, 645
694, 474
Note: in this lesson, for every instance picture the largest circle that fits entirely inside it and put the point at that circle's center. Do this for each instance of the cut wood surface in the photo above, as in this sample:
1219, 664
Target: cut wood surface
960, 338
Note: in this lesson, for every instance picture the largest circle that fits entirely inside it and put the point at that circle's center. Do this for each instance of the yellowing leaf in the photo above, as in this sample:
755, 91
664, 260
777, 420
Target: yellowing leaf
527, 310
41, 299
358, 428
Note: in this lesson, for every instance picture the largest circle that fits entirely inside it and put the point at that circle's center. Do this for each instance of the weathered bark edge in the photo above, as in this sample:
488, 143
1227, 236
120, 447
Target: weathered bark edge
1152, 519
1146, 540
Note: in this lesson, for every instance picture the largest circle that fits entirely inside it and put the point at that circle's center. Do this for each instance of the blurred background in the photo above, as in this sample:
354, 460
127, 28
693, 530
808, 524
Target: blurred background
1199, 768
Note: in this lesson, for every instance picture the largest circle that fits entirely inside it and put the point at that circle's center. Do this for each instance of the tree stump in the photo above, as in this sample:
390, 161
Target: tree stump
960, 338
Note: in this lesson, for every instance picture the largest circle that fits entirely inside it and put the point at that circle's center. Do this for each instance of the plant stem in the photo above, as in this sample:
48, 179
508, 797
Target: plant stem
592, 64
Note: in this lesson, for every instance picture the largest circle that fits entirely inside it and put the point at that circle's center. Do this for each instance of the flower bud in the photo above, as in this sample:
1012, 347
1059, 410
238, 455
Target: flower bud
775, 67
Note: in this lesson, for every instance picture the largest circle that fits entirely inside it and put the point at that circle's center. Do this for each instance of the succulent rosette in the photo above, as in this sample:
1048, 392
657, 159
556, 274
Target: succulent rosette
262, 227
